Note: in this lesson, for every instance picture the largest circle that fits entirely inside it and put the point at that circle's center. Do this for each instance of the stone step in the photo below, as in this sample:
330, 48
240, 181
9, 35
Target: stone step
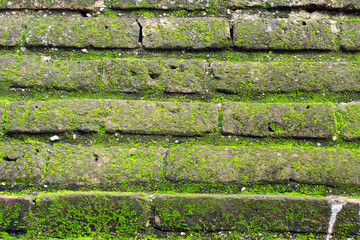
312, 120
74, 214
63, 166
179, 76
179, 33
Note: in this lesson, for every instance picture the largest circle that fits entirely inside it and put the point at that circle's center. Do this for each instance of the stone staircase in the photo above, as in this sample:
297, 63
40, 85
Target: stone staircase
204, 119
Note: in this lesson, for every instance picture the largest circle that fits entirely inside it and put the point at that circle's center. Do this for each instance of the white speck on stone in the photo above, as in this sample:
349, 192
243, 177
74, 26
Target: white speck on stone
23, 49
84, 50
45, 185
74, 136
176, 141
318, 144
45, 58
3, 183
55, 138
334, 138
151, 197
182, 234
243, 189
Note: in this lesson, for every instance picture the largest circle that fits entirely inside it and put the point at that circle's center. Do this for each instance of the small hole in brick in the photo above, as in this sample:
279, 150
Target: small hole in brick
96, 157
303, 23
173, 67
307, 107
106, 27
10, 159
154, 75
36, 107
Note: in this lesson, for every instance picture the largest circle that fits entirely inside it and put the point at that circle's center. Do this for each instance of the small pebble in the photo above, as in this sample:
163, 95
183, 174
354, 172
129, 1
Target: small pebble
182, 234
74, 136
84, 50
334, 138
55, 138
318, 144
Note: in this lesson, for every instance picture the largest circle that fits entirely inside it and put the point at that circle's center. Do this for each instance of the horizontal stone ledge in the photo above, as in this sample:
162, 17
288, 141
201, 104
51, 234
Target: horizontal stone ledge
285, 34
102, 32
71, 165
255, 213
59, 215
208, 164
279, 120
136, 117
188, 33
34, 73
85, 5
276, 77
170, 76
350, 35
14, 212
22, 164
318, 4
10, 31
163, 4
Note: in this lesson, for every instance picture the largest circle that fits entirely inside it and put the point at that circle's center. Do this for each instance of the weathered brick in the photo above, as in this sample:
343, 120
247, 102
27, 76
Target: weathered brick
255, 213
10, 31
139, 117
165, 4
172, 76
350, 114
102, 32
282, 77
350, 35
88, 5
66, 75
72, 215
279, 120
286, 34
269, 165
348, 4
14, 211
22, 164
345, 4
193, 33
70, 165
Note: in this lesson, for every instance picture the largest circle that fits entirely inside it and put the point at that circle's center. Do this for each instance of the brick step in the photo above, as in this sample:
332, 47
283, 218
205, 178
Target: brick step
63, 166
189, 33
321, 121
179, 76
95, 5
74, 214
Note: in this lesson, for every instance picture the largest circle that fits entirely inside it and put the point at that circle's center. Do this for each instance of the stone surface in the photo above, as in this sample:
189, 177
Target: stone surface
283, 34
13, 212
191, 33
350, 114
166, 4
256, 213
22, 164
72, 215
64, 75
139, 117
171, 76
350, 35
283, 77
89, 5
269, 165
279, 120
10, 31
70, 165
325, 4
102, 32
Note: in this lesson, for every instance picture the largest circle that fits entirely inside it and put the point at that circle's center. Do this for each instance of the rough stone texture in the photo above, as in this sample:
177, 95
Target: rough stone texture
279, 120
72, 215
22, 164
283, 34
13, 212
283, 77
145, 117
89, 5
193, 33
166, 4
10, 31
103, 32
350, 35
350, 114
347, 220
65, 75
347, 4
82, 165
256, 213
171, 76
139, 117
270, 165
